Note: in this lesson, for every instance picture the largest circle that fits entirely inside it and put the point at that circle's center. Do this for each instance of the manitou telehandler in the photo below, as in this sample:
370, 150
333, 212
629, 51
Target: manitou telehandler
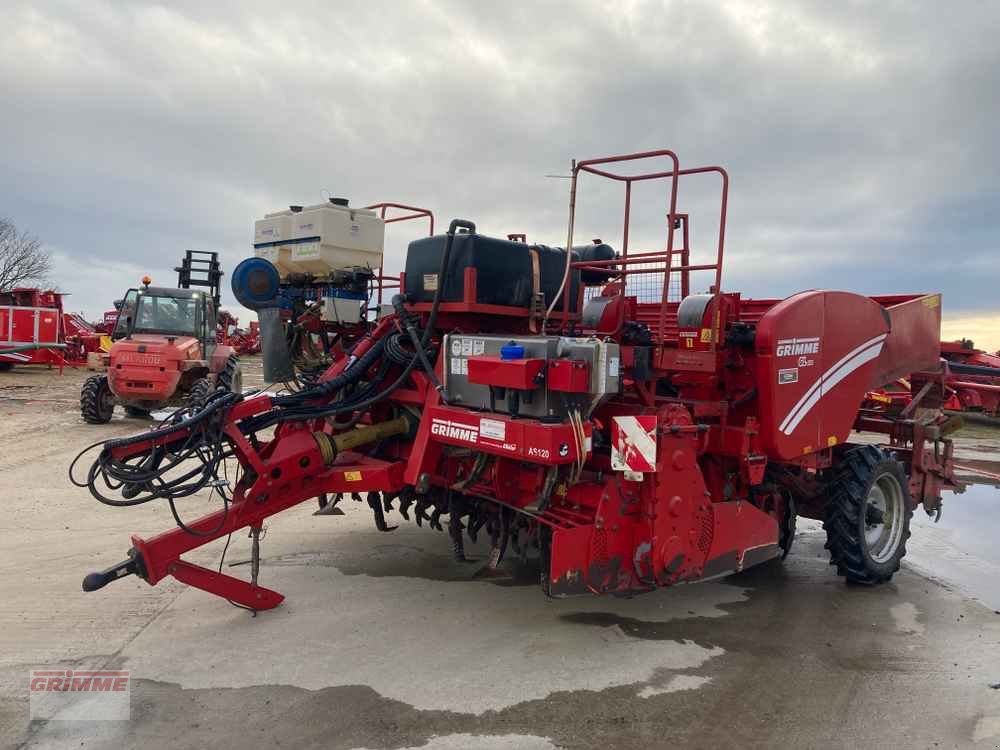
165, 351
586, 408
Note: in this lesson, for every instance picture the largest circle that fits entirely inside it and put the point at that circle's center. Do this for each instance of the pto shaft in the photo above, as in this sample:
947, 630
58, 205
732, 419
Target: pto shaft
331, 445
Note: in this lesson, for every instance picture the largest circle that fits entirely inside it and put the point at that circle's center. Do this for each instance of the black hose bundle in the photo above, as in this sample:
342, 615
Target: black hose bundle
397, 350
154, 474
144, 477
351, 374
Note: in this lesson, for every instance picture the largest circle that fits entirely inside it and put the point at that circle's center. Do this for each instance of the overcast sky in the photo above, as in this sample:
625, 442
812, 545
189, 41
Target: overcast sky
860, 138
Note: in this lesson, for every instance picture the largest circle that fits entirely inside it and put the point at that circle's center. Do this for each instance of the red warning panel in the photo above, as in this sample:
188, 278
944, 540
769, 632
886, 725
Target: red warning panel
633, 443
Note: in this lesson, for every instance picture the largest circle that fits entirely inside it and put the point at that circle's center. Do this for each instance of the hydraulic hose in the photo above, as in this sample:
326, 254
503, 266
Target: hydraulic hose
397, 303
350, 374
404, 317
569, 249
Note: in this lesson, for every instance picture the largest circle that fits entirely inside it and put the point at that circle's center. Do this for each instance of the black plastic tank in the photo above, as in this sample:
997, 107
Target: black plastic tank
503, 269
592, 252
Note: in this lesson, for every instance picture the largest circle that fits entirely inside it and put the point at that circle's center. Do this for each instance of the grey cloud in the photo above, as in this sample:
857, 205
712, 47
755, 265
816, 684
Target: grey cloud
859, 137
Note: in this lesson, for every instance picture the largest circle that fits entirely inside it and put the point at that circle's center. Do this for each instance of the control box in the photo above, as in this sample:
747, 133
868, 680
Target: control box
510, 375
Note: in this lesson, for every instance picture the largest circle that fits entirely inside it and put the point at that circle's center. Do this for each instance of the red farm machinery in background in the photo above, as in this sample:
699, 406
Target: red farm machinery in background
526, 393
165, 350
35, 330
973, 377
244, 341
970, 378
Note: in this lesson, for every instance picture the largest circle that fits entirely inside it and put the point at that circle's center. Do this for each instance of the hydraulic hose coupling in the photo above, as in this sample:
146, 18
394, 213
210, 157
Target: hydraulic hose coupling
331, 445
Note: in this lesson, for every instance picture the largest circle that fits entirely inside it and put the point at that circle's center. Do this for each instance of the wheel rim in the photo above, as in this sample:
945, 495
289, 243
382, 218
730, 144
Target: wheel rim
884, 518
107, 401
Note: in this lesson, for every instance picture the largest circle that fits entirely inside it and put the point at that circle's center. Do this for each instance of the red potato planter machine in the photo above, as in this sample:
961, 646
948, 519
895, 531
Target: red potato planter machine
34, 330
529, 394
973, 377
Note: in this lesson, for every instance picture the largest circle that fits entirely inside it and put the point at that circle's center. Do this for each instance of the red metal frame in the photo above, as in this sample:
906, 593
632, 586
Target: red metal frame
673, 217
381, 281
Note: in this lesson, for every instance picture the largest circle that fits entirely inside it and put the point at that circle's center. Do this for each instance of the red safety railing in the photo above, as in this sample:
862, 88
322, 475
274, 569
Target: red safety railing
381, 281
675, 221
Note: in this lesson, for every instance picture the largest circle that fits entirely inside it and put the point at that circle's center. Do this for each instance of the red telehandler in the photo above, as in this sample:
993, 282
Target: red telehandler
165, 350
538, 395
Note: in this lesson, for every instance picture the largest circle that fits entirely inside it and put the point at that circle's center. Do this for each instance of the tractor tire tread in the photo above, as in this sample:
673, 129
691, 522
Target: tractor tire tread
229, 373
200, 391
847, 491
90, 400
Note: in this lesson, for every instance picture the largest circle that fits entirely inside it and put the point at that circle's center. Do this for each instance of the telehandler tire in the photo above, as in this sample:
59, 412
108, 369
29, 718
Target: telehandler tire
868, 512
97, 402
231, 378
200, 391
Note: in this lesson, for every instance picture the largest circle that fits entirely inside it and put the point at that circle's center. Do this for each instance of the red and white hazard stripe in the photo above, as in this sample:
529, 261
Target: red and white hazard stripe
633, 443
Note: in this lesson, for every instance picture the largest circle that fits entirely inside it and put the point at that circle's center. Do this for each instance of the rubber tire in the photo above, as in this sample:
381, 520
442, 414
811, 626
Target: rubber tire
6, 366
97, 404
200, 391
786, 530
136, 412
846, 501
231, 377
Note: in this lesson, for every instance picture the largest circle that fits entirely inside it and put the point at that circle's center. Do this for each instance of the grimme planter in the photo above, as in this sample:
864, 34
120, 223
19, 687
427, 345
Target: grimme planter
632, 436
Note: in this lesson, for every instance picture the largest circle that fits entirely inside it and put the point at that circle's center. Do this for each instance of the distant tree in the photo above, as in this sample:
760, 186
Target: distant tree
23, 260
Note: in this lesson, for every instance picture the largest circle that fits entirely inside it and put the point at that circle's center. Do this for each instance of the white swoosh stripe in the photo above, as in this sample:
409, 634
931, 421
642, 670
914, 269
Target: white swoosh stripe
823, 384
866, 356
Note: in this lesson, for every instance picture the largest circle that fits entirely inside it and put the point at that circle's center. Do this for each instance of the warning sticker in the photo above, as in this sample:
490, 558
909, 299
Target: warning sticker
430, 282
493, 429
459, 367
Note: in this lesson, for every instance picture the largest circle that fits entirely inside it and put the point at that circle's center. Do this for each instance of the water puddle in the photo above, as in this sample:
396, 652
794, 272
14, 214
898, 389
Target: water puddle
962, 549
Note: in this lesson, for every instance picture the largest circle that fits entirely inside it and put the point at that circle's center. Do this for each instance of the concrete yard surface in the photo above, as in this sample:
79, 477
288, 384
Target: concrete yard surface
384, 642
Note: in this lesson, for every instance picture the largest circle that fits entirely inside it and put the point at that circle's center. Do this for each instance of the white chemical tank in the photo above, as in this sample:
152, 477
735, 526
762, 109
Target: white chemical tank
320, 239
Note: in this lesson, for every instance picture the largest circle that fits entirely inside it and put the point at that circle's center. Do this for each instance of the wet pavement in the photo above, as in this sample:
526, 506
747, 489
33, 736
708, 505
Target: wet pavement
385, 642
962, 550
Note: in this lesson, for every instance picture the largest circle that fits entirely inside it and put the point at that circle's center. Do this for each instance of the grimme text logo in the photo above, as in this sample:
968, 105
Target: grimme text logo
80, 695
